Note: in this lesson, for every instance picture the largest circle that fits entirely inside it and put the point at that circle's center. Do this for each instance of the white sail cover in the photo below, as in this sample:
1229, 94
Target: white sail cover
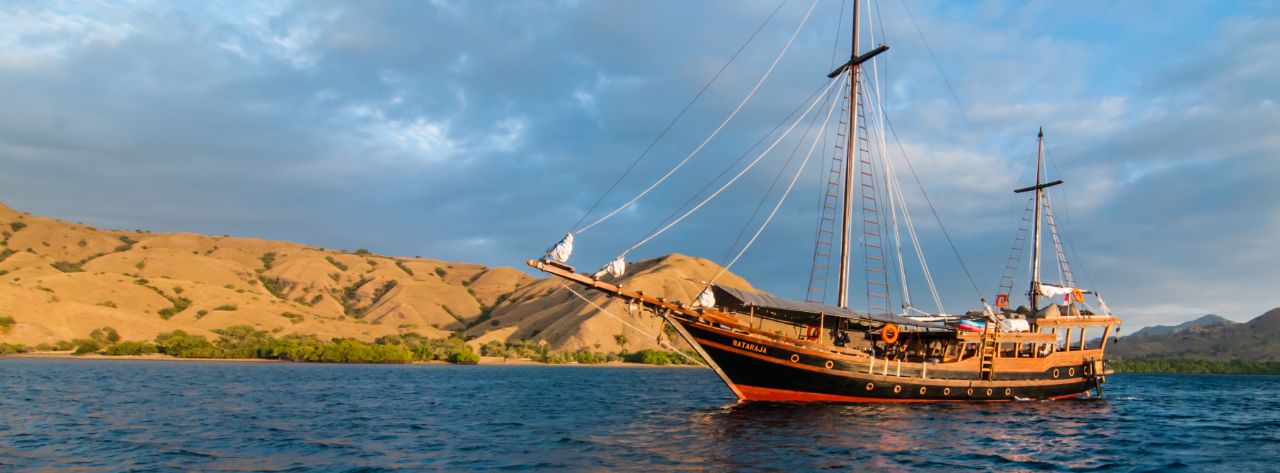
1062, 293
615, 268
1015, 325
560, 253
706, 299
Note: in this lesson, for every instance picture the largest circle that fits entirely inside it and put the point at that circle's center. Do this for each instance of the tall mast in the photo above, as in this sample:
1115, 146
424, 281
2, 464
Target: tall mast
845, 222
1035, 244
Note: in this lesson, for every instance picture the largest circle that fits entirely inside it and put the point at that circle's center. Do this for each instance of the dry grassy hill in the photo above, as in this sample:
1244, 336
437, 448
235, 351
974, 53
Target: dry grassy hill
546, 310
61, 280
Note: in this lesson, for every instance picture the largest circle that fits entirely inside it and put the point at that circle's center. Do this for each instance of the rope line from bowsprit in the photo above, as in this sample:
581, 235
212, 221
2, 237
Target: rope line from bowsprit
633, 327
717, 131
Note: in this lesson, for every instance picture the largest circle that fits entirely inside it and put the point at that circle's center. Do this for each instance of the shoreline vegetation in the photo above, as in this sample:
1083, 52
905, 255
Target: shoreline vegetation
1194, 366
243, 342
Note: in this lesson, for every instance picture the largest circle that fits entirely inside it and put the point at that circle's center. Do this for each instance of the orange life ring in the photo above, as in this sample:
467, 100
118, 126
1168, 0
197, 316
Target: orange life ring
813, 333
1002, 300
889, 333
1078, 295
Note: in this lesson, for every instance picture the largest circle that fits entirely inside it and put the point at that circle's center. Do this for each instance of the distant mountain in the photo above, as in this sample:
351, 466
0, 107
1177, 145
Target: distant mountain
1210, 320
1207, 338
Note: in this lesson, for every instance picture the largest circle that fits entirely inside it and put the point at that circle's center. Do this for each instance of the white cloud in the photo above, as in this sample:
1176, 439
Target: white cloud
507, 134
419, 137
43, 35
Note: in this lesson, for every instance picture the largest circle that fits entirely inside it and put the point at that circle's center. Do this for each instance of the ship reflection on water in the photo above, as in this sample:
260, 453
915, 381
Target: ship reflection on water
1050, 434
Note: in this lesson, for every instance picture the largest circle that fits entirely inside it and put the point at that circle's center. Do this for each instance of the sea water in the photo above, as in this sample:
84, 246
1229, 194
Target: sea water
95, 415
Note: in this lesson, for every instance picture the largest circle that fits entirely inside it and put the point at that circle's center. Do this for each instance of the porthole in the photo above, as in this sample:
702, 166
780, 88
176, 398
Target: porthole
1056, 373
1008, 391
969, 392
1071, 372
871, 386
828, 364
988, 391
897, 389
1085, 370
795, 357
946, 391
922, 390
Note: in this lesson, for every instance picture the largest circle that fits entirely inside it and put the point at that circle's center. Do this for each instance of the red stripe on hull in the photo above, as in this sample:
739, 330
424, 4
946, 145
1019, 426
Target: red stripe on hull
753, 393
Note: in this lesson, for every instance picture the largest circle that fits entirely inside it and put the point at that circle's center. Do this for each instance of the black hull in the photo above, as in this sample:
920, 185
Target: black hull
767, 372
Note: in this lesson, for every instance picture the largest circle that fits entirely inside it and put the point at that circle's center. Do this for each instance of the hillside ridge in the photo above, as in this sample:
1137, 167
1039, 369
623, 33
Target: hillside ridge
60, 280
1257, 340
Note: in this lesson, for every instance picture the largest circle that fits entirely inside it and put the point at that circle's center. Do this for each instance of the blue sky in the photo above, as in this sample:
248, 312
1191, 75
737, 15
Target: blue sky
480, 131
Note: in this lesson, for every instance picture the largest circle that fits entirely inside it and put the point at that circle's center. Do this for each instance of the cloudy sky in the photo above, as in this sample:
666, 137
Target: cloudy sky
482, 131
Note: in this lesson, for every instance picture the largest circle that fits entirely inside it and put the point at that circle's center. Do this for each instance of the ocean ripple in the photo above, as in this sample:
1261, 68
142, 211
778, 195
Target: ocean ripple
93, 415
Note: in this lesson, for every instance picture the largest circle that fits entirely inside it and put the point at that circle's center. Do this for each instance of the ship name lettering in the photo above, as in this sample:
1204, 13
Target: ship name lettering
749, 346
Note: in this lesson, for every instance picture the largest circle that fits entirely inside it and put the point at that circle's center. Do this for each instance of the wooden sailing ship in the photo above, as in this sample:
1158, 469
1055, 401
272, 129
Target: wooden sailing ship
767, 348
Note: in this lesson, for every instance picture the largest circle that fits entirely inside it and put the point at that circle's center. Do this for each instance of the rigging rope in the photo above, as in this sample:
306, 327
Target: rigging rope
726, 121
803, 163
633, 327
1066, 214
745, 154
680, 115
890, 181
1013, 238
932, 209
937, 64
906, 214
736, 177
781, 171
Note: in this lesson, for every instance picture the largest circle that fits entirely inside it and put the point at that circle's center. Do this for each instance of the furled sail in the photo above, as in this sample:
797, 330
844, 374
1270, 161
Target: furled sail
614, 268
560, 253
707, 298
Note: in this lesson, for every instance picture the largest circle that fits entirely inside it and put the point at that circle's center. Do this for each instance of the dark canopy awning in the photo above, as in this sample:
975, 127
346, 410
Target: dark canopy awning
786, 309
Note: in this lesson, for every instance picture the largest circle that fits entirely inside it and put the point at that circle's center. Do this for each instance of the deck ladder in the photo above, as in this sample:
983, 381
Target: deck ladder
989, 348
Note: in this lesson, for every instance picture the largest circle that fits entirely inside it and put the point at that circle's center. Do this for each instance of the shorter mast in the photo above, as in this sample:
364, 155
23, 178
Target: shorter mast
1035, 241
1035, 244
